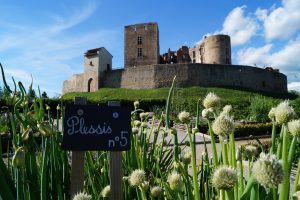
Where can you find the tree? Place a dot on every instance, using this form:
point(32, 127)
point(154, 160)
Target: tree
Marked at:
point(44, 95)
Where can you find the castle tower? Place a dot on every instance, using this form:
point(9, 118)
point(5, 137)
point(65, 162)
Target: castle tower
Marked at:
point(216, 49)
point(141, 44)
point(96, 62)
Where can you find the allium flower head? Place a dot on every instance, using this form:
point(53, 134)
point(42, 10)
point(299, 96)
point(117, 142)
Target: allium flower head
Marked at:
point(106, 191)
point(145, 185)
point(296, 196)
point(250, 151)
point(175, 181)
point(184, 117)
point(137, 123)
point(268, 171)
point(294, 127)
point(137, 177)
point(136, 104)
point(82, 196)
point(211, 101)
point(144, 124)
point(224, 178)
point(195, 130)
point(284, 113)
point(207, 112)
point(156, 191)
point(186, 157)
point(227, 110)
point(223, 125)
point(135, 130)
point(271, 114)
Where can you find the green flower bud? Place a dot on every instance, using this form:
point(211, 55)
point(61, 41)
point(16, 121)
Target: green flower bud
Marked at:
point(195, 130)
point(18, 159)
point(156, 192)
point(175, 181)
point(186, 157)
point(136, 104)
point(137, 123)
point(135, 130)
point(184, 117)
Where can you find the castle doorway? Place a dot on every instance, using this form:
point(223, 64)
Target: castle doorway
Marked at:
point(90, 85)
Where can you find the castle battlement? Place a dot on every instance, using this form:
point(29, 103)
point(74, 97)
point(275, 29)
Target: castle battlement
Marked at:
point(206, 64)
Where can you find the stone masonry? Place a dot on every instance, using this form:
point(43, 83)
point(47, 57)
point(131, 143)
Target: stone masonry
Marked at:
point(207, 64)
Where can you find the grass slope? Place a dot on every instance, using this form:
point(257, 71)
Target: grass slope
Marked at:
point(195, 93)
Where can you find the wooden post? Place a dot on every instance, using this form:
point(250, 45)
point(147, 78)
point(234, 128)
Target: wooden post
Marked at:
point(115, 170)
point(77, 162)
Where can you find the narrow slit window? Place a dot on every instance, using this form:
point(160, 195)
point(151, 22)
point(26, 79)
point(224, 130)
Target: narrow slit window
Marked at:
point(139, 40)
point(140, 52)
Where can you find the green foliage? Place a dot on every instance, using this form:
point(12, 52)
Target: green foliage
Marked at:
point(260, 107)
point(254, 129)
point(184, 98)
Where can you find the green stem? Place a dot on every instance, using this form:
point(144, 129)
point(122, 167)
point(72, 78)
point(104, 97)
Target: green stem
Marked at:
point(224, 151)
point(273, 138)
point(291, 153)
point(284, 190)
point(169, 103)
point(248, 188)
point(279, 148)
point(195, 175)
point(241, 177)
point(229, 194)
point(213, 144)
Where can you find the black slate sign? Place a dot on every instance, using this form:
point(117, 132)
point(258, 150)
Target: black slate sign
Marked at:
point(91, 127)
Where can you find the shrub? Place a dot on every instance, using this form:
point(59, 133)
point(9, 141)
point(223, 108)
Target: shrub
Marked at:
point(259, 108)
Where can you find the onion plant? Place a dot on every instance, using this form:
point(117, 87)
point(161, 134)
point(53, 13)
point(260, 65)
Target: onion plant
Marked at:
point(158, 165)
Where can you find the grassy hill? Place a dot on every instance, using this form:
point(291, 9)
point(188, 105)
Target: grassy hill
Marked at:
point(184, 98)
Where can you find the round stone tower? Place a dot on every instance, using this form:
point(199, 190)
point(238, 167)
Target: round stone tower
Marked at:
point(216, 49)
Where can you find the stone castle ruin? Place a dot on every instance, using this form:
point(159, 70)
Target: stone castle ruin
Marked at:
point(206, 64)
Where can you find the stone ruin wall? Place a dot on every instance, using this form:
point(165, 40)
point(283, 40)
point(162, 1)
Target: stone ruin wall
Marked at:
point(232, 76)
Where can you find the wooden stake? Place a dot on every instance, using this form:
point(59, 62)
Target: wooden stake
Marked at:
point(77, 162)
point(115, 170)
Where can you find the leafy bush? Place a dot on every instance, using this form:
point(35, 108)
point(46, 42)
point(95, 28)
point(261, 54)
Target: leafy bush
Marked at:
point(259, 108)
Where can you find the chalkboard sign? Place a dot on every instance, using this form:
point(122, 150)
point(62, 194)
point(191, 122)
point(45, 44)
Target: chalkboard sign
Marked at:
point(91, 127)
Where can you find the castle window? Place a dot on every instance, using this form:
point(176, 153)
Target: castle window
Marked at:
point(108, 67)
point(194, 54)
point(140, 52)
point(139, 40)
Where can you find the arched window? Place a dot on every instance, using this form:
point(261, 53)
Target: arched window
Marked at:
point(90, 85)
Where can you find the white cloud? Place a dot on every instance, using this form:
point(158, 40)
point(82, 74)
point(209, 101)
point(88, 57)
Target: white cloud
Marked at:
point(254, 56)
point(281, 22)
point(286, 59)
point(49, 51)
point(241, 28)
point(294, 86)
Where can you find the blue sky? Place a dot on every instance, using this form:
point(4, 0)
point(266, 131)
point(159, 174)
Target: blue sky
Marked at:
point(47, 39)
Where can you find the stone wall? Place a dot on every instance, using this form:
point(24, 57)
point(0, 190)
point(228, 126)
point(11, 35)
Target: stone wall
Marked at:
point(74, 84)
point(235, 76)
point(143, 37)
